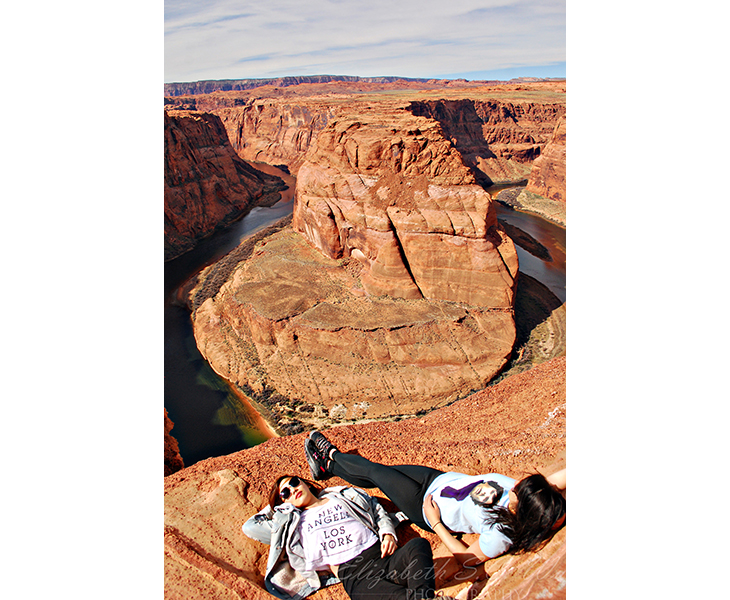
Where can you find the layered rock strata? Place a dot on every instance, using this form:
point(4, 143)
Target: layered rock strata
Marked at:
point(499, 140)
point(548, 171)
point(545, 190)
point(208, 556)
point(207, 185)
point(499, 130)
point(206, 87)
point(275, 132)
point(394, 194)
point(294, 320)
point(396, 297)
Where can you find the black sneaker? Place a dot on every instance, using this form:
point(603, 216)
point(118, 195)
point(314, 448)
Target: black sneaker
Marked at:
point(316, 460)
point(324, 446)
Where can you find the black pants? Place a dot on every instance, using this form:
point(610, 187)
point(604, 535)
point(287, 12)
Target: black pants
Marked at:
point(407, 574)
point(405, 485)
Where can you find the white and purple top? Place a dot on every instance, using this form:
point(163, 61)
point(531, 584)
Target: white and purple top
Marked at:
point(453, 494)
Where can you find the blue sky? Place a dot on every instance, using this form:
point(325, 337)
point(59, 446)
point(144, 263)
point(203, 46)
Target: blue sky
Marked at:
point(473, 39)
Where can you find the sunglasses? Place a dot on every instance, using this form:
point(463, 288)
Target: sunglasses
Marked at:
point(294, 482)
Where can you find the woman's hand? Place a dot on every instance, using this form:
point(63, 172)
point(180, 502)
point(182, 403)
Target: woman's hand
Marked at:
point(468, 556)
point(387, 546)
point(431, 510)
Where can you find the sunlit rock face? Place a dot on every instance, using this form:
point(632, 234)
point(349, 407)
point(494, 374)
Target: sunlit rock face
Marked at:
point(292, 319)
point(394, 194)
point(391, 293)
point(499, 130)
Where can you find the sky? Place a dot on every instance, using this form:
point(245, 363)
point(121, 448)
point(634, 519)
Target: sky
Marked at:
point(471, 39)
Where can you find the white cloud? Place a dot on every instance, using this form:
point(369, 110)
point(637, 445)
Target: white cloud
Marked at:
point(227, 39)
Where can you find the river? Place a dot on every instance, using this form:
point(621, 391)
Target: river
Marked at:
point(209, 418)
point(550, 273)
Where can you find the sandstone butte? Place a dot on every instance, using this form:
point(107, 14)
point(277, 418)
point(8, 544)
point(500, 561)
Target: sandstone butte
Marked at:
point(514, 427)
point(393, 292)
point(207, 185)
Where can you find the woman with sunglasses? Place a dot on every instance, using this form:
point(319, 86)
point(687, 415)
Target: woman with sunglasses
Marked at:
point(319, 537)
point(509, 516)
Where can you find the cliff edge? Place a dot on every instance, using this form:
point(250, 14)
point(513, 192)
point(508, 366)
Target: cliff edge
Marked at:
point(513, 428)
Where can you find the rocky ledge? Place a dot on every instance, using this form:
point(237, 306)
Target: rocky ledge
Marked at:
point(513, 428)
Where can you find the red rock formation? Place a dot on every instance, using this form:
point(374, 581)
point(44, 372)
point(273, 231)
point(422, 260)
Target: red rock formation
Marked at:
point(292, 319)
point(547, 177)
point(407, 300)
point(206, 184)
point(498, 129)
point(545, 191)
point(274, 133)
point(207, 87)
point(173, 460)
point(390, 201)
point(389, 190)
point(498, 140)
point(511, 428)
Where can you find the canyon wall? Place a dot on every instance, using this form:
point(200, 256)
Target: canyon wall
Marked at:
point(207, 185)
point(389, 190)
point(277, 133)
point(498, 139)
point(173, 460)
point(207, 87)
point(392, 292)
point(545, 191)
point(547, 177)
point(208, 556)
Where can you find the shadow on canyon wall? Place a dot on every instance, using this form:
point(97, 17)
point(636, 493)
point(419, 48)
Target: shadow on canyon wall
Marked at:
point(485, 132)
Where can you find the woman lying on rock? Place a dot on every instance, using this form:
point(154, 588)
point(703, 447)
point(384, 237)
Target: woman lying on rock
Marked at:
point(321, 537)
point(509, 515)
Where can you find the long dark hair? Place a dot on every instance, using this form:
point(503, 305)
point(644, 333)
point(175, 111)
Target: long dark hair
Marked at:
point(275, 499)
point(540, 513)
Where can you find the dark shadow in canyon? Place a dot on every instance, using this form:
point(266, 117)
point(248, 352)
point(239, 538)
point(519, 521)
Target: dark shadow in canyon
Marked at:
point(462, 125)
point(534, 303)
point(525, 241)
point(188, 376)
point(473, 125)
